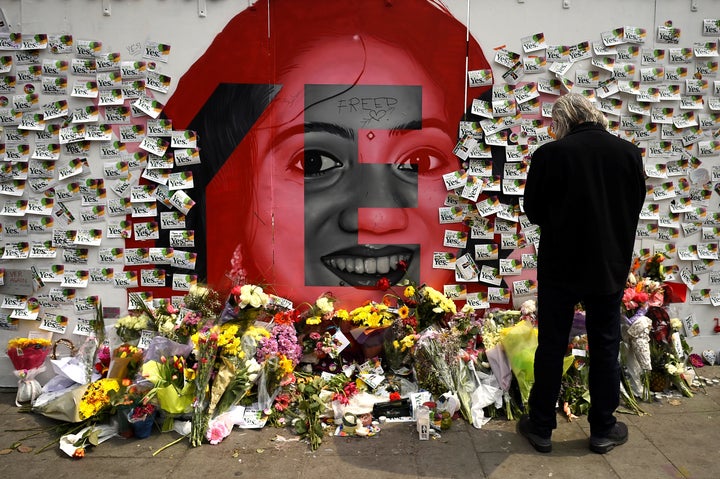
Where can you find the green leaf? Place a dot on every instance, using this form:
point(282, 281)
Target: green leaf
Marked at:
point(94, 437)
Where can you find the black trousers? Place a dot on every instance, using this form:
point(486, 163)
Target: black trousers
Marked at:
point(555, 316)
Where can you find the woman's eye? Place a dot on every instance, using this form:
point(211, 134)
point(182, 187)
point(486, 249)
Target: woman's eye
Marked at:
point(316, 163)
point(421, 161)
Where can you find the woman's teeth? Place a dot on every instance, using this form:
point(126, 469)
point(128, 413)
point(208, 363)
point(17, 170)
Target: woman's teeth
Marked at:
point(359, 265)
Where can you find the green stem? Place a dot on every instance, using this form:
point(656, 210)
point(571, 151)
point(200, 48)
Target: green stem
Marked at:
point(57, 440)
point(169, 445)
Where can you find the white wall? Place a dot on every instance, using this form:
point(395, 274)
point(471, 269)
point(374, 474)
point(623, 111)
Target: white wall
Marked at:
point(128, 24)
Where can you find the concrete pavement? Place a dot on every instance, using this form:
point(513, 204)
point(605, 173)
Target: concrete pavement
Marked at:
point(678, 438)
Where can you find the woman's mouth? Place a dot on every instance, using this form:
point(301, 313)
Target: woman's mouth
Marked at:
point(365, 265)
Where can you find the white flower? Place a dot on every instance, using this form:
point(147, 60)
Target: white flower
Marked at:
point(196, 290)
point(167, 326)
point(528, 307)
point(253, 296)
point(253, 369)
point(676, 324)
point(324, 305)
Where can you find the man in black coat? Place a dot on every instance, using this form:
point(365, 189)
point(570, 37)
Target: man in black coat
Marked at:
point(585, 192)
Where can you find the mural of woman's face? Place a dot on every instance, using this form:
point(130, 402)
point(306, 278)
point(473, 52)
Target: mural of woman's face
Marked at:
point(350, 162)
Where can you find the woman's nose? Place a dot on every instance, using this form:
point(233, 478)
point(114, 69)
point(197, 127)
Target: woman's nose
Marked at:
point(381, 199)
point(377, 221)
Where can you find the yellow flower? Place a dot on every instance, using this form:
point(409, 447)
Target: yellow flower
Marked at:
point(22, 343)
point(286, 365)
point(409, 291)
point(342, 314)
point(407, 342)
point(372, 315)
point(97, 397)
point(228, 341)
point(403, 311)
point(313, 320)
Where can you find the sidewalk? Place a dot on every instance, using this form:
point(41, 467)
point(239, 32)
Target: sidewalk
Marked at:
point(678, 438)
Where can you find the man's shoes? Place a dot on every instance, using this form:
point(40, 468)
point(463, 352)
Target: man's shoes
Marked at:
point(618, 435)
point(525, 428)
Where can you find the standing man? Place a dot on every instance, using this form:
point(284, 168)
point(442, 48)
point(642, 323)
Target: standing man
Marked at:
point(585, 192)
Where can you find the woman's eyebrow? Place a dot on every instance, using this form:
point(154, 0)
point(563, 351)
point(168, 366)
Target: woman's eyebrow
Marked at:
point(420, 124)
point(332, 128)
point(314, 127)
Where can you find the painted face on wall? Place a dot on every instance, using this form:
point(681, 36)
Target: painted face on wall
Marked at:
point(324, 144)
point(357, 173)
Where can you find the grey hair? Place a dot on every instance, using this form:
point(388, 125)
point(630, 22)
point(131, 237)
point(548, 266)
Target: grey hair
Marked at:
point(573, 109)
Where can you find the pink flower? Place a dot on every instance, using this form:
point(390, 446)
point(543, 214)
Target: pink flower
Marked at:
point(217, 431)
point(696, 360)
point(657, 299)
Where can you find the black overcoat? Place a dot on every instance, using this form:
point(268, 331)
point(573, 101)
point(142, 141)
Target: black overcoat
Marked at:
point(585, 191)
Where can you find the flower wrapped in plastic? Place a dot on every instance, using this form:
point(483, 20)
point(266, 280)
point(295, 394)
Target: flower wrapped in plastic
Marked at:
point(432, 307)
point(206, 348)
point(435, 354)
point(76, 444)
point(125, 361)
point(28, 359)
point(638, 336)
point(520, 342)
point(493, 322)
point(79, 402)
point(278, 354)
point(173, 386)
point(245, 303)
point(675, 368)
point(165, 366)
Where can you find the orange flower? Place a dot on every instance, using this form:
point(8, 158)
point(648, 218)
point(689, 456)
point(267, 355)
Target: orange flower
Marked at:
point(79, 453)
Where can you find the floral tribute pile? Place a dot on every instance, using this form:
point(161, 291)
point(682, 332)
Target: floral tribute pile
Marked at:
point(212, 362)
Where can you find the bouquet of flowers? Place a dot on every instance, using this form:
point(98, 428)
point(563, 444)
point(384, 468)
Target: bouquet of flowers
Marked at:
point(102, 360)
point(574, 388)
point(494, 321)
point(166, 318)
point(190, 324)
point(173, 385)
point(206, 347)
point(28, 358)
point(80, 402)
point(520, 342)
point(205, 301)
point(435, 354)
point(279, 353)
point(431, 306)
point(245, 304)
point(322, 310)
point(142, 411)
point(372, 315)
point(639, 295)
point(639, 362)
point(130, 327)
point(125, 361)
